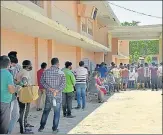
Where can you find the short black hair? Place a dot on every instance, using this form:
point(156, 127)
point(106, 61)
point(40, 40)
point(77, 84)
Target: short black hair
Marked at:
point(4, 61)
point(67, 64)
point(26, 63)
point(43, 65)
point(54, 61)
point(12, 53)
point(121, 64)
point(141, 65)
point(153, 63)
point(81, 63)
point(146, 64)
point(13, 59)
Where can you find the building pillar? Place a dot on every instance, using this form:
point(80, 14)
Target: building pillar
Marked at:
point(36, 57)
point(50, 51)
point(160, 49)
point(78, 55)
point(114, 50)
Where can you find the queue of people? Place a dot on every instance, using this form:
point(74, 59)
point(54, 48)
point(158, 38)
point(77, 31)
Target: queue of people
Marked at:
point(57, 88)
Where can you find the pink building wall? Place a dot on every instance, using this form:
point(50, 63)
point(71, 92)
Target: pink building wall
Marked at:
point(23, 44)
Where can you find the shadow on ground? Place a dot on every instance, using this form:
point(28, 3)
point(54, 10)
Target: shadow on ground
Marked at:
point(66, 124)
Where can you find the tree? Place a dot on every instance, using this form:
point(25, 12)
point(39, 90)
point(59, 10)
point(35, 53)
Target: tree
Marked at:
point(141, 48)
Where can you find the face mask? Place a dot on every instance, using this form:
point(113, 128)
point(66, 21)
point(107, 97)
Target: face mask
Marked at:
point(11, 67)
point(29, 69)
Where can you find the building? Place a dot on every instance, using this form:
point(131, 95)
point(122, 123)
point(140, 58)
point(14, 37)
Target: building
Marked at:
point(69, 30)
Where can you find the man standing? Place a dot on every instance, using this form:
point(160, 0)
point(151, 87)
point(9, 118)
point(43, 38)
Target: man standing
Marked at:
point(68, 91)
point(147, 76)
point(41, 88)
point(54, 82)
point(154, 77)
point(160, 75)
point(103, 70)
point(125, 77)
point(14, 69)
point(7, 88)
point(81, 74)
point(140, 77)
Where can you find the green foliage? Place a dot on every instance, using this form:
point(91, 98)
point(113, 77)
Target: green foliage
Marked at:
point(148, 59)
point(143, 47)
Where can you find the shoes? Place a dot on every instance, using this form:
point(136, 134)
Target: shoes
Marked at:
point(40, 129)
point(78, 107)
point(27, 131)
point(55, 131)
point(70, 116)
point(39, 109)
point(29, 125)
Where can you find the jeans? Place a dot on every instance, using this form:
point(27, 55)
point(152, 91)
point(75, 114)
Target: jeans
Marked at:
point(160, 83)
point(81, 92)
point(14, 115)
point(47, 109)
point(67, 103)
point(4, 117)
point(154, 82)
point(24, 111)
point(131, 84)
point(147, 82)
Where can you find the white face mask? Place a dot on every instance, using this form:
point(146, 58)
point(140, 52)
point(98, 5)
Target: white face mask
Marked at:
point(12, 67)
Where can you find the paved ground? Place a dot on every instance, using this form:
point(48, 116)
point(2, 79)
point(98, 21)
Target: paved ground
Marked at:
point(130, 112)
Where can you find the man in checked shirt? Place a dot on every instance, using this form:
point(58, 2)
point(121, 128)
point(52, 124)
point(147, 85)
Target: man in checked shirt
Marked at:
point(54, 81)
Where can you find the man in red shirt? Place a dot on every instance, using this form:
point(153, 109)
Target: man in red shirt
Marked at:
point(125, 77)
point(41, 88)
point(141, 77)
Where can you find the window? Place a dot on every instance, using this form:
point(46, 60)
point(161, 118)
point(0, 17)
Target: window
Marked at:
point(83, 25)
point(90, 27)
point(38, 3)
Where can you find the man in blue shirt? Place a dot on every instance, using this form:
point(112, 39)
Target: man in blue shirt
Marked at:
point(102, 70)
point(7, 89)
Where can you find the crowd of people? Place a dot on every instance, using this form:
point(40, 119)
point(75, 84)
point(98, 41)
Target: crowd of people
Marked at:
point(57, 87)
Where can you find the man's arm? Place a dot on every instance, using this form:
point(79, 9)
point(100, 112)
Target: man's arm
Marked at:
point(73, 79)
point(43, 81)
point(62, 83)
point(11, 87)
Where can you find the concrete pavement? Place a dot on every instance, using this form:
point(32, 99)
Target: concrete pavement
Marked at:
point(129, 112)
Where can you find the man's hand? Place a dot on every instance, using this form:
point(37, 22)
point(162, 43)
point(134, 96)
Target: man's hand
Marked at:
point(55, 92)
point(51, 89)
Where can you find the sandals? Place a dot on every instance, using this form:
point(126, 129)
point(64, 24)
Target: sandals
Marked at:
point(39, 109)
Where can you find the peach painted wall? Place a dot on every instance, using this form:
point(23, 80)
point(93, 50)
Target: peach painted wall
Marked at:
point(123, 47)
point(108, 57)
point(101, 35)
point(42, 52)
point(65, 12)
point(64, 53)
point(99, 57)
point(24, 45)
point(88, 54)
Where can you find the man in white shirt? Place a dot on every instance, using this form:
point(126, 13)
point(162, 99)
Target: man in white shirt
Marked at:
point(160, 75)
point(81, 75)
point(131, 78)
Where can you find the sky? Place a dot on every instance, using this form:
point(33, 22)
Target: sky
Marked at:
point(147, 7)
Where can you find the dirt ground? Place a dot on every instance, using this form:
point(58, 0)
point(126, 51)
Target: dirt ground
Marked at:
point(129, 112)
